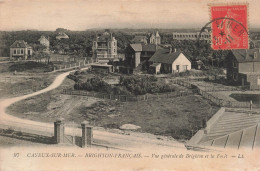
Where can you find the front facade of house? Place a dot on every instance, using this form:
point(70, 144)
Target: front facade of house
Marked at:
point(20, 50)
point(139, 53)
point(45, 42)
point(171, 62)
point(243, 68)
point(104, 47)
point(155, 38)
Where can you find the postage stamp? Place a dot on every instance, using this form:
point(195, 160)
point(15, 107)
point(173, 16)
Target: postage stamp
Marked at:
point(229, 27)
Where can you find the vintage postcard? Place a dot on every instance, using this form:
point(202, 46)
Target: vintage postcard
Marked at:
point(129, 85)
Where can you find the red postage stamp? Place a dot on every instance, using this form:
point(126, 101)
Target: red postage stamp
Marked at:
point(229, 27)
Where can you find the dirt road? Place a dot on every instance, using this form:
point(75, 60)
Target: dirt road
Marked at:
point(132, 141)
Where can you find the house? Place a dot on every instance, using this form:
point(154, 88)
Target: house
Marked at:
point(138, 53)
point(155, 38)
point(104, 47)
point(61, 36)
point(243, 67)
point(20, 49)
point(171, 62)
point(197, 64)
point(45, 42)
point(140, 39)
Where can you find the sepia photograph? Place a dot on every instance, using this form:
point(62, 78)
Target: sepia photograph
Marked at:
point(129, 85)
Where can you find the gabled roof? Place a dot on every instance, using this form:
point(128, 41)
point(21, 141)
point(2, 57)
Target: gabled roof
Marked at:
point(20, 44)
point(246, 55)
point(141, 47)
point(157, 34)
point(139, 39)
point(163, 56)
point(137, 47)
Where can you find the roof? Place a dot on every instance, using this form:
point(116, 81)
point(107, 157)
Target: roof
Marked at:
point(43, 37)
point(155, 64)
point(139, 39)
point(246, 55)
point(141, 47)
point(62, 35)
point(20, 44)
point(163, 56)
point(234, 129)
point(157, 34)
point(137, 47)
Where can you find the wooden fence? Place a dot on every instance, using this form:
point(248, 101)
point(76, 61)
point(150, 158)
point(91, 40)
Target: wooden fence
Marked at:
point(125, 98)
point(212, 98)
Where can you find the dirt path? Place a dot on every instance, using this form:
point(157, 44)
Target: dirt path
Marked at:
point(131, 141)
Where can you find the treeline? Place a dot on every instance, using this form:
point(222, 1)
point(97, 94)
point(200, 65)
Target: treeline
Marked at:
point(79, 41)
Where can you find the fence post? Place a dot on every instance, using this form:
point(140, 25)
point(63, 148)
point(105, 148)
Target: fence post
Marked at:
point(87, 134)
point(59, 130)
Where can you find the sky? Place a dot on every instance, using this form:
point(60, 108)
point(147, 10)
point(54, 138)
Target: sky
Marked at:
point(89, 14)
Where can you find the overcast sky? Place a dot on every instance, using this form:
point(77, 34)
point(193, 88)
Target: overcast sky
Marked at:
point(87, 14)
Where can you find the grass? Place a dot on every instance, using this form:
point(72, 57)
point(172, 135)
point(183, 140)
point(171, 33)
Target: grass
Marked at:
point(178, 117)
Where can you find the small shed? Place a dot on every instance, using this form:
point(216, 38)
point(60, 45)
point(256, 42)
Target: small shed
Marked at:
point(155, 68)
point(102, 68)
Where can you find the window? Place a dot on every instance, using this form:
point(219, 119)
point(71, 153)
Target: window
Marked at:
point(21, 51)
point(235, 77)
point(14, 51)
point(185, 67)
point(114, 50)
point(114, 43)
point(18, 51)
point(177, 67)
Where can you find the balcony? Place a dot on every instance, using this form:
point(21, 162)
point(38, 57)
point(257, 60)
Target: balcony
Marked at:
point(102, 47)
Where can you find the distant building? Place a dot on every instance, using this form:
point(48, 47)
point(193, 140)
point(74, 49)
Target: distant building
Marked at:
point(140, 39)
point(155, 38)
point(62, 35)
point(135, 54)
point(20, 49)
point(166, 61)
point(104, 47)
point(243, 67)
point(205, 35)
point(45, 42)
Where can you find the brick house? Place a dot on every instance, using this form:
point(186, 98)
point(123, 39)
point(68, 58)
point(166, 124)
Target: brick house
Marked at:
point(20, 49)
point(170, 62)
point(243, 68)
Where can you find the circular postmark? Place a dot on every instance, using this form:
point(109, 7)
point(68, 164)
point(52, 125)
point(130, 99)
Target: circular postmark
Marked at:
point(226, 33)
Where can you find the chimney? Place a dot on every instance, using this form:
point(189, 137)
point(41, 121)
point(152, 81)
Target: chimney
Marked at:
point(170, 50)
point(175, 50)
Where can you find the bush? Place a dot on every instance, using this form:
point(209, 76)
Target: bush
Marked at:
point(142, 85)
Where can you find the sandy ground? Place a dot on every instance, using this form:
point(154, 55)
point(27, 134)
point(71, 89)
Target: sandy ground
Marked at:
point(131, 141)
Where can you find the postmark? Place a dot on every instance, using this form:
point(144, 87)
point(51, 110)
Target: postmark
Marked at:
point(229, 25)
